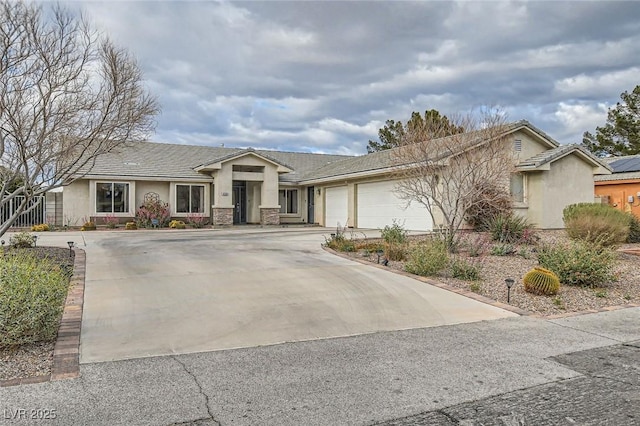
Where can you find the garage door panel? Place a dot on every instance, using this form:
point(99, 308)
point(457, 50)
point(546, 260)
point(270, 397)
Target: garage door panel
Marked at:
point(336, 206)
point(378, 205)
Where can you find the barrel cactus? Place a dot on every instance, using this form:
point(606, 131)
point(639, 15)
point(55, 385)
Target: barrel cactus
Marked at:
point(541, 281)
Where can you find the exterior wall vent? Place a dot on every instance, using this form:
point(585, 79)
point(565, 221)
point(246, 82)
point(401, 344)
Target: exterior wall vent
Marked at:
point(517, 145)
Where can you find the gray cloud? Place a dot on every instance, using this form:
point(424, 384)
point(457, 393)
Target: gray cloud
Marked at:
point(324, 76)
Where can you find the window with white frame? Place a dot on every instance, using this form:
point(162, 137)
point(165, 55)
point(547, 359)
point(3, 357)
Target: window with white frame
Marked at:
point(112, 197)
point(189, 199)
point(517, 187)
point(288, 200)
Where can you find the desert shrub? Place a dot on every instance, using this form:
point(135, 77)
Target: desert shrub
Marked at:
point(578, 263)
point(370, 246)
point(153, 209)
point(395, 251)
point(508, 228)
point(111, 221)
point(130, 226)
point(88, 226)
point(394, 234)
point(634, 229)
point(339, 242)
point(541, 281)
point(177, 224)
point(32, 294)
point(503, 250)
point(477, 246)
point(596, 223)
point(196, 220)
point(465, 270)
point(43, 227)
point(489, 201)
point(22, 240)
point(427, 258)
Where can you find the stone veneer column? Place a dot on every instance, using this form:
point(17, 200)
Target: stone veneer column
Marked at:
point(269, 216)
point(222, 216)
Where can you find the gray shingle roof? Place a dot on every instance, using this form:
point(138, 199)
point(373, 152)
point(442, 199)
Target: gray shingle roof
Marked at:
point(555, 153)
point(172, 161)
point(387, 159)
point(617, 176)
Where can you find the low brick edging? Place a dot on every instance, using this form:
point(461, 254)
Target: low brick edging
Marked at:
point(66, 352)
point(480, 298)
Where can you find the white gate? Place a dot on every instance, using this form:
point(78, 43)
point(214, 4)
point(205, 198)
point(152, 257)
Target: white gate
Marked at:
point(34, 214)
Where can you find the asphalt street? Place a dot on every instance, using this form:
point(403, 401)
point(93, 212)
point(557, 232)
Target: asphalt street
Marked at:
point(507, 366)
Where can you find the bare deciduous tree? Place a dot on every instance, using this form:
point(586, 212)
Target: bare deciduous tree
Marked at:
point(67, 96)
point(456, 172)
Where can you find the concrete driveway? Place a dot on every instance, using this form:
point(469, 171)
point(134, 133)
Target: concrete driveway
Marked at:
point(171, 292)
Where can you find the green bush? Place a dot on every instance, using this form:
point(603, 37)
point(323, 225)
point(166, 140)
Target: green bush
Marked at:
point(394, 234)
point(177, 224)
point(503, 250)
point(465, 270)
point(339, 242)
point(596, 223)
point(510, 229)
point(32, 295)
point(427, 258)
point(88, 226)
point(22, 240)
point(634, 229)
point(395, 251)
point(578, 263)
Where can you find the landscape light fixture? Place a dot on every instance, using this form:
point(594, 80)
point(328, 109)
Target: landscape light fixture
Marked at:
point(379, 253)
point(509, 282)
point(70, 243)
point(35, 241)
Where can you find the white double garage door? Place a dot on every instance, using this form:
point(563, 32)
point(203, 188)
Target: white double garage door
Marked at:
point(376, 205)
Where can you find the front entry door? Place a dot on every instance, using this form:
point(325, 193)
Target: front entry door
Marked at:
point(239, 202)
point(311, 198)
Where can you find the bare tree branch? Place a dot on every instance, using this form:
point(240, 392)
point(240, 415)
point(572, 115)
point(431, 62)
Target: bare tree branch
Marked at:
point(67, 96)
point(448, 174)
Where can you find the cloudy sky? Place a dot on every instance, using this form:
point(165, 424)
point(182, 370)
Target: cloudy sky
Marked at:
point(324, 76)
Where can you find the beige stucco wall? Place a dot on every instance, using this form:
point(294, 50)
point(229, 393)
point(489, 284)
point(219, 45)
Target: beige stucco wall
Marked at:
point(530, 145)
point(144, 187)
point(268, 187)
point(253, 201)
point(569, 181)
point(75, 203)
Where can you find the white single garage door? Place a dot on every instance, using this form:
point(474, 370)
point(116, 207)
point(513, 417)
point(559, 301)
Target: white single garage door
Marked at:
point(336, 207)
point(378, 205)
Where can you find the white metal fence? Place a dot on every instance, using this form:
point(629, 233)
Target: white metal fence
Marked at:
point(35, 216)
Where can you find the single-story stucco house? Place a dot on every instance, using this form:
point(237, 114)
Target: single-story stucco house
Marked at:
point(236, 186)
point(621, 189)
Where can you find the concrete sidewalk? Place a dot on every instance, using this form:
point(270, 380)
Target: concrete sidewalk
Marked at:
point(353, 380)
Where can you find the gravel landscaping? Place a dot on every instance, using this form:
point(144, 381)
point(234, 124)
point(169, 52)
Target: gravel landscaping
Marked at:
point(35, 359)
point(495, 269)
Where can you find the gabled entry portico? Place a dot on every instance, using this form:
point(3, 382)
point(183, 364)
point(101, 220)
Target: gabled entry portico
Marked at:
point(245, 188)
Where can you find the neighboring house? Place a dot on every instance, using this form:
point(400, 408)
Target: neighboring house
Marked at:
point(622, 188)
point(237, 186)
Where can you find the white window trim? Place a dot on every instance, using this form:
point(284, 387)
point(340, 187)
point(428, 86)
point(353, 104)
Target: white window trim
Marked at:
point(207, 198)
point(297, 214)
point(93, 196)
